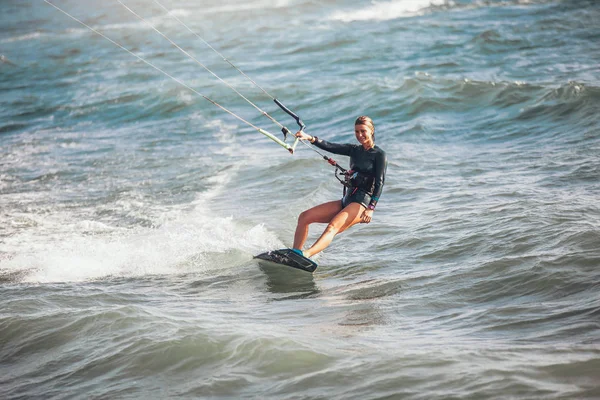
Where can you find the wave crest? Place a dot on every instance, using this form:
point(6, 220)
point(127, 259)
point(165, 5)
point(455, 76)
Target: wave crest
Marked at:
point(387, 10)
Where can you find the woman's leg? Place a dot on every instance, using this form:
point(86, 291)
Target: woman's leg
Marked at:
point(347, 217)
point(323, 213)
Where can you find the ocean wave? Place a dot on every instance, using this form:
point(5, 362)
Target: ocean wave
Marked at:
point(26, 36)
point(244, 6)
point(382, 11)
point(389, 10)
point(12, 127)
point(493, 42)
point(571, 100)
point(501, 101)
point(424, 93)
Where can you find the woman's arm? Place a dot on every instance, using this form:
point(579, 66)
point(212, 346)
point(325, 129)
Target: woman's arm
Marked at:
point(335, 148)
point(380, 168)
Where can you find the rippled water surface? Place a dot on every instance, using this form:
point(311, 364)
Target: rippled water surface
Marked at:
point(131, 207)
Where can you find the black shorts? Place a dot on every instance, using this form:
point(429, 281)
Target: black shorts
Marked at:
point(356, 195)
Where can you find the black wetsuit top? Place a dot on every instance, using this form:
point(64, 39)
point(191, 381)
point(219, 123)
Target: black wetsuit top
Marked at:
point(367, 168)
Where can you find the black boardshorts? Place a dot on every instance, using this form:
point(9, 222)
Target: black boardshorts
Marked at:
point(356, 195)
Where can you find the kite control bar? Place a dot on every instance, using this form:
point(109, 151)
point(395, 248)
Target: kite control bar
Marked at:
point(291, 113)
point(340, 173)
point(285, 130)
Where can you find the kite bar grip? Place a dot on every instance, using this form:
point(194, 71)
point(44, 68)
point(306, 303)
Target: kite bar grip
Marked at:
point(294, 145)
point(291, 113)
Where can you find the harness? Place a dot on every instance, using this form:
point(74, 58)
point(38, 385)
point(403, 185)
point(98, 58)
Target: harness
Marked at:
point(351, 179)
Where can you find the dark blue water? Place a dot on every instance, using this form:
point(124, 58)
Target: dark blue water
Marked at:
point(131, 207)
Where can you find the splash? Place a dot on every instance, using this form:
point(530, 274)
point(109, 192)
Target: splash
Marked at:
point(63, 247)
point(192, 242)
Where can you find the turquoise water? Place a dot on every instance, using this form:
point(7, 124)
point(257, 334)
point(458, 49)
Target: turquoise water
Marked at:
point(130, 207)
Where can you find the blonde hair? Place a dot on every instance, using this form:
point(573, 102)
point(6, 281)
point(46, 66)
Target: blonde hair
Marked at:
point(364, 120)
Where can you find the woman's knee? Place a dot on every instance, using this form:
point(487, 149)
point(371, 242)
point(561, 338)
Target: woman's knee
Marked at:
point(332, 228)
point(305, 217)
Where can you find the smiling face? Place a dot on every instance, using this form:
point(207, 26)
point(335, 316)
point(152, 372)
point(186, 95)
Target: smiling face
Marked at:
point(364, 135)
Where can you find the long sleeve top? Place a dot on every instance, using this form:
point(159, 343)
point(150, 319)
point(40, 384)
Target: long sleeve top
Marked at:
point(370, 163)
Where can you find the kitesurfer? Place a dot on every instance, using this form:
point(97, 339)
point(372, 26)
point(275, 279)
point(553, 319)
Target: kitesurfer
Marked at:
point(364, 183)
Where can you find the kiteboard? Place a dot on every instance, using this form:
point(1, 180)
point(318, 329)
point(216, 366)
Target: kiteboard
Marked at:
point(289, 258)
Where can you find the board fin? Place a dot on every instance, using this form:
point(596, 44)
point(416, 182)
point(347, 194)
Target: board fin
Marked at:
point(290, 258)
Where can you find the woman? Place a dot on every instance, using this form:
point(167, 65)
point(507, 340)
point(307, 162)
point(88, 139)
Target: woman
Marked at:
point(366, 178)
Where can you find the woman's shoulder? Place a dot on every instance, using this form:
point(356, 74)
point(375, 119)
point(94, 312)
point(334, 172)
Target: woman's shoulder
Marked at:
point(380, 153)
point(378, 149)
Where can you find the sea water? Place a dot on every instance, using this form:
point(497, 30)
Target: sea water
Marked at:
point(131, 207)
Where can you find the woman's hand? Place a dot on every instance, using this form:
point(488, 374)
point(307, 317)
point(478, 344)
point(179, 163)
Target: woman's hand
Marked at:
point(367, 216)
point(304, 136)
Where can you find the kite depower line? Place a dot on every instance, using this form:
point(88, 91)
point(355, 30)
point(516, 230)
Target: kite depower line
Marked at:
point(284, 129)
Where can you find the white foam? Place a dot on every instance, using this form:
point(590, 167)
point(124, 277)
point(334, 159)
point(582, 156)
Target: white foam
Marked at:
point(246, 6)
point(382, 11)
point(20, 38)
point(179, 12)
point(57, 245)
point(87, 250)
